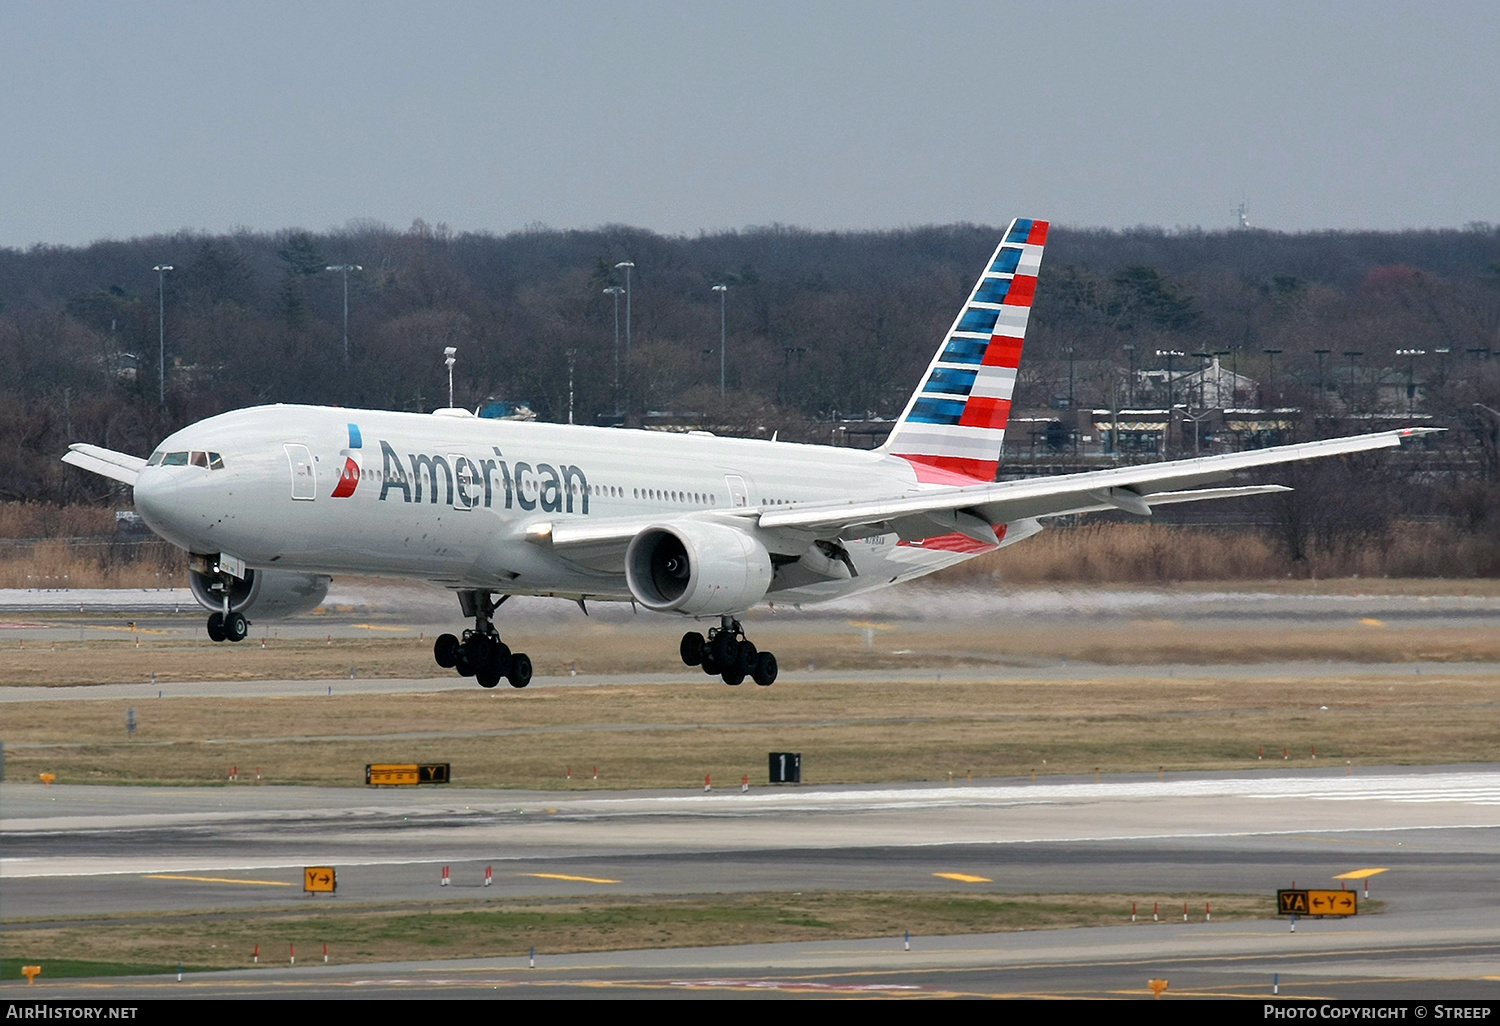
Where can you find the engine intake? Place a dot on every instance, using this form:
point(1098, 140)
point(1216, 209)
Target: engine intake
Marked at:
point(697, 569)
point(265, 594)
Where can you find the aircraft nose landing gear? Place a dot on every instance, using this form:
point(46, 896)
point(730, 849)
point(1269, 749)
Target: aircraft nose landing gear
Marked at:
point(480, 653)
point(728, 654)
point(224, 625)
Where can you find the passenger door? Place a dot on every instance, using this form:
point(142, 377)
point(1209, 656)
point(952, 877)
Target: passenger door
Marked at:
point(304, 472)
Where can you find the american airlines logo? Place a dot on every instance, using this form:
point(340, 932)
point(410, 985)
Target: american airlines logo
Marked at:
point(466, 482)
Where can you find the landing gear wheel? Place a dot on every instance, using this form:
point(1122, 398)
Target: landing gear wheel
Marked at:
point(744, 659)
point(462, 664)
point(709, 666)
point(691, 648)
point(765, 670)
point(479, 649)
point(216, 627)
point(445, 651)
point(488, 677)
point(734, 678)
point(520, 670)
point(236, 627)
point(723, 647)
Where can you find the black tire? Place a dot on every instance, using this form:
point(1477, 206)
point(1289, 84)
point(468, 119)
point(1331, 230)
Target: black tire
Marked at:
point(462, 664)
point(765, 670)
point(520, 670)
point(691, 648)
point(734, 678)
point(488, 677)
point(744, 659)
point(236, 627)
point(723, 647)
point(709, 666)
point(480, 650)
point(445, 651)
point(216, 627)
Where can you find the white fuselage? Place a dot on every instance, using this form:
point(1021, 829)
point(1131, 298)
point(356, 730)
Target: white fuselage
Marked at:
point(449, 497)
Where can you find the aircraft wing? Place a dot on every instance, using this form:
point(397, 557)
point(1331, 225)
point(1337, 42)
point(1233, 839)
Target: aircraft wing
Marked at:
point(1132, 488)
point(105, 462)
point(1135, 489)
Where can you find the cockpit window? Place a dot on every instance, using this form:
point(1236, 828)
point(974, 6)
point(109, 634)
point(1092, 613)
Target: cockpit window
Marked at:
point(199, 459)
point(215, 461)
point(155, 458)
point(175, 459)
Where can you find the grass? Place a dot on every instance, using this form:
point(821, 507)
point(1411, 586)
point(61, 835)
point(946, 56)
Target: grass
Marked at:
point(1090, 553)
point(116, 945)
point(849, 732)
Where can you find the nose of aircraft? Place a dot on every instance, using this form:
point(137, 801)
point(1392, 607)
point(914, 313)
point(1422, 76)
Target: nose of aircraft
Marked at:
point(155, 495)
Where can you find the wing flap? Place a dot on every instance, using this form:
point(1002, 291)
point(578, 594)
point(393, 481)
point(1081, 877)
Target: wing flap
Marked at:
point(96, 459)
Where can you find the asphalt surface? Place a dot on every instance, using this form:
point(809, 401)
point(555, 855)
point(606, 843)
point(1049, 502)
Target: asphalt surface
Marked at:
point(72, 852)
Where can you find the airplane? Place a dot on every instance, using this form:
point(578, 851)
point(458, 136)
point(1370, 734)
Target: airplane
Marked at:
point(270, 502)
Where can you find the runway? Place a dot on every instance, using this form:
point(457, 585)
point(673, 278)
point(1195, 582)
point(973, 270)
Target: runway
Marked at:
point(72, 852)
point(75, 850)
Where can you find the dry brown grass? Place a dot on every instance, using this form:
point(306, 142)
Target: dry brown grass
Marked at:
point(508, 927)
point(173, 653)
point(1146, 553)
point(848, 732)
point(54, 563)
point(1093, 553)
point(41, 520)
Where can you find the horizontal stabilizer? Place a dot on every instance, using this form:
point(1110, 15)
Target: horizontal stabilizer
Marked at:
point(96, 459)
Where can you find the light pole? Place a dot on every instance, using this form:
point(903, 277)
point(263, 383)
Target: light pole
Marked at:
point(161, 313)
point(723, 291)
point(615, 290)
point(572, 355)
point(449, 357)
point(1207, 359)
point(1273, 353)
point(1411, 372)
point(1130, 383)
point(1320, 353)
point(1352, 354)
point(628, 265)
point(345, 268)
point(1170, 354)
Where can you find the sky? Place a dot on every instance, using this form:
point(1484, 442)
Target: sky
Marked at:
point(122, 119)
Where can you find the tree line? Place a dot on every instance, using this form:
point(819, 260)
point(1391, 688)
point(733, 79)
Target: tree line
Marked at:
point(818, 326)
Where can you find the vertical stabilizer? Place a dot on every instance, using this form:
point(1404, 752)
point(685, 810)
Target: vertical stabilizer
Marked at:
point(953, 425)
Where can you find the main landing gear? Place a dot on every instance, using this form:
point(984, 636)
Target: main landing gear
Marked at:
point(480, 653)
point(727, 653)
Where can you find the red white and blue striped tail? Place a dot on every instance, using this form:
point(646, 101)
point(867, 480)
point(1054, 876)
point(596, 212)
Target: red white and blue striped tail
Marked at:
point(952, 427)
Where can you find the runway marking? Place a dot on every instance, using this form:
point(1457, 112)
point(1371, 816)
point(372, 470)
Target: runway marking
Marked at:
point(964, 877)
point(575, 879)
point(1370, 621)
point(132, 630)
point(1360, 874)
point(215, 879)
point(377, 627)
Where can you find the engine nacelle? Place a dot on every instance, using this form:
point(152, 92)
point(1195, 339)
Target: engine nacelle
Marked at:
point(697, 568)
point(262, 594)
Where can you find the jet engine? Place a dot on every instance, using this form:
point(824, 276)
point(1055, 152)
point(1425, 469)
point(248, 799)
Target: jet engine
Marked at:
point(264, 594)
point(697, 568)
